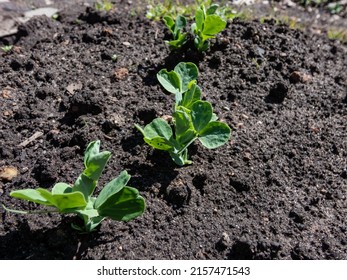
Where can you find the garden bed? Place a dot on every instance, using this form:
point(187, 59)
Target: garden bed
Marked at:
point(276, 190)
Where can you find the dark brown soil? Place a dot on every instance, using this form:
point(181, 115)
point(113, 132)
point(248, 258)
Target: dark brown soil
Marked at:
point(277, 190)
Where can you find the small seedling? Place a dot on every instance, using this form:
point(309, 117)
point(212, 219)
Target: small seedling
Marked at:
point(116, 200)
point(337, 34)
point(208, 21)
point(103, 5)
point(176, 27)
point(207, 25)
point(7, 49)
point(156, 10)
point(114, 57)
point(192, 118)
point(335, 8)
point(55, 16)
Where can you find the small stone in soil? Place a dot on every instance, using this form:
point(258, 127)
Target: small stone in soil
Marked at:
point(297, 77)
point(7, 173)
point(121, 73)
point(224, 242)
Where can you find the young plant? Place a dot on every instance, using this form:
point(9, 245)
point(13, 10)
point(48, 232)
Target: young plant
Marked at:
point(176, 27)
point(103, 5)
point(116, 200)
point(207, 25)
point(114, 57)
point(6, 49)
point(156, 10)
point(192, 118)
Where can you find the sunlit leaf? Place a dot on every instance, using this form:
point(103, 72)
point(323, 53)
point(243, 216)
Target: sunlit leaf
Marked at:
point(125, 205)
point(214, 135)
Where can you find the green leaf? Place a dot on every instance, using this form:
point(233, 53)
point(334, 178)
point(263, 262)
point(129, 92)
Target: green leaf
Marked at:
point(158, 128)
point(193, 28)
point(124, 205)
point(85, 185)
point(112, 188)
point(159, 143)
point(201, 114)
point(186, 137)
point(182, 120)
point(181, 158)
point(88, 213)
point(170, 81)
point(93, 149)
point(94, 161)
point(61, 188)
point(214, 135)
point(31, 195)
point(212, 9)
point(96, 164)
point(91, 220)
point(169, 22)
point(181, 22)
point(178, 159)
point(93, 223)
point(178, 98)
point(176, 44)
point(214, 117)
point(187, 72)
point(213, 25)
point(64, 201)
point(153, 130)
point(191, 96)
point(200, 18)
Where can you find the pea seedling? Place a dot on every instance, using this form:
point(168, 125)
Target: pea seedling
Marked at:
point(176, 27)
point(6, 49)
point(207, 25)
point(116, 200)
point(192, 118)
point(103, 5)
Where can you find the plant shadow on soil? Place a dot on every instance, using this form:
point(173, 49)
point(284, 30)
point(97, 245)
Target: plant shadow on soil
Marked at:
point(59, 242)
point(158, 169)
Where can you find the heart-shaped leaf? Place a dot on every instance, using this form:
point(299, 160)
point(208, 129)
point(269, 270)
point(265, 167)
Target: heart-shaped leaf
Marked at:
point(214, 135)
point(170, 81)
point(158, 128)
point(124, 205)
point(213, 25)
point(188, 72)
point(201, 114)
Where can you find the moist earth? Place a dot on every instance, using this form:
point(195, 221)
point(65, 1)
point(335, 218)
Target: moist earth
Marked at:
point(276, 190)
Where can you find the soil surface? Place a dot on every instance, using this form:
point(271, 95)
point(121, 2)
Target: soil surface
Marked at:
point(277, 190)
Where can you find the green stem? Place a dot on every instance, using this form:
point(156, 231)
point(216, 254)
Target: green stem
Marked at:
point(187, 145)
point(30, 212)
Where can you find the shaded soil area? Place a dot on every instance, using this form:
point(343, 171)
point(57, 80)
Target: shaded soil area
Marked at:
point(277, 190)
